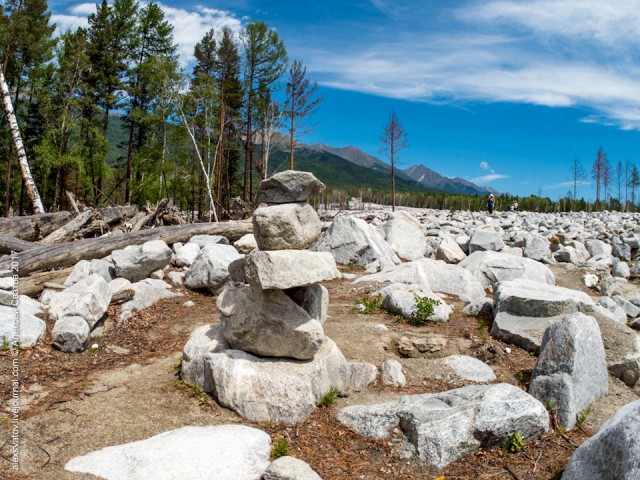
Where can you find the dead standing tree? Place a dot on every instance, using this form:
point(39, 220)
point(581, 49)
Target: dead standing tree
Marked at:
point(300, 104)
point(394, 140)
point(32, 190)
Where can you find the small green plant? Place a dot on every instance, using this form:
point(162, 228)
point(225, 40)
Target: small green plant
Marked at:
point(561, 430)
point(482, 323)
point(515, 443)
point(367, 305)
point(280, 449)
point(583, 417)
point(501, 378)
point(202, 401)
point(423, 310)
point(328, 398)
point(551, 404)
point(177, 368)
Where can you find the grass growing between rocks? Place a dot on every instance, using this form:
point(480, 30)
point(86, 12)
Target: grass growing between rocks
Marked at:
point(423, 311)
point(328, 398)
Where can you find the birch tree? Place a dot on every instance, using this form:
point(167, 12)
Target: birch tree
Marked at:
point(30, 185)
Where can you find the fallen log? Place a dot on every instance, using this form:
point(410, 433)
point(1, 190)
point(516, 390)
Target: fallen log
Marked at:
point(69, 229)
point(35, 227)
point(66, 254)
point(35, 283)
point(11, 244)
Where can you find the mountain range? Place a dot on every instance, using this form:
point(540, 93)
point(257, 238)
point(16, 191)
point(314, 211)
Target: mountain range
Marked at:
point(416, 177)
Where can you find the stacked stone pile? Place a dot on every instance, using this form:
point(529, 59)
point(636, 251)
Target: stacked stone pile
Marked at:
point(269, 358)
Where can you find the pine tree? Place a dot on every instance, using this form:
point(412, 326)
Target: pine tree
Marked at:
point(394, 140)
point(300, 102)
point(265, 62)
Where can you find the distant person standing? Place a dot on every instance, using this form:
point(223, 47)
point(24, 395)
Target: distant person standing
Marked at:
point(491, 203)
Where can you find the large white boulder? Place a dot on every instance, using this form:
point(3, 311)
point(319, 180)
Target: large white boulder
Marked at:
point(282, 269)
point(571, 372)
point(210, 269)
point(484, 239)
point(449, 251)
point(136, 262)
point(290, 226)
point(268, 323)
point(490, 268)
point(431, 274)
point(613, 453)
point(203, 340)
point(70, 334)
point(186, 254)
point(405, 237)
point(88, 298)
point(222, 452)
point(147, 292)
point(271, 389)
point(32, 328)
point(352, 240)
point(289, 186)
point(443, 427)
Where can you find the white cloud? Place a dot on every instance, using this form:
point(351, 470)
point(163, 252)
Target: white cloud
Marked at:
point(489, 178)
point(68, 22)
point(85, 9)
point(557, 53)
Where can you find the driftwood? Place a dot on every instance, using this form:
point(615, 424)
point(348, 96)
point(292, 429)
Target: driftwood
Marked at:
point(11, 244)
point(66, 254)
point(35, 283)
point(34, 227)
point(68, 230)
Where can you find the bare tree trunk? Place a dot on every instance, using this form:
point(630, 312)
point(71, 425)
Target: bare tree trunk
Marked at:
point(22, 156)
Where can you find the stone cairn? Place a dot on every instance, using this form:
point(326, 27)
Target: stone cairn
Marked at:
point(269, 359)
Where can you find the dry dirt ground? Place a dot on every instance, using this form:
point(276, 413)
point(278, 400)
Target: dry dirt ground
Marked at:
point(127, 389)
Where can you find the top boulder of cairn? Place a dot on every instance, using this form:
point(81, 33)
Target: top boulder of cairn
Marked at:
point(289, 186)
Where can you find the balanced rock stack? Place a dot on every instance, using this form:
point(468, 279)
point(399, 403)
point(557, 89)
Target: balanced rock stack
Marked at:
point(269, 358)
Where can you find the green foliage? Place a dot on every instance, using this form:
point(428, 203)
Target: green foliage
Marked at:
point(583, 417)
point(561, 430)
point(370, 305)
point(177, 368)
point(423, 310)
point(551, 404)
point(515, 443)
point(280, 449)
point(328, 398)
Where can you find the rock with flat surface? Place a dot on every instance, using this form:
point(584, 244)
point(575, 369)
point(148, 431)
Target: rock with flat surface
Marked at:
point(431, 274)
point(136, 262)
point(32, 328)
point(362, 374)
point(284, 269)
point(535, 247)
point(616, 311)
point(270, 389)
point(469, 368)
point(289, 186)
point(147, 293)
point(204, 240)
point(88, 298)
point(613, 453)
point(186, 254)
point(210, 269)
point(222, 452)
point(402, 299)
point(571, 372)
point(70, 334)
point(290, 226)
point(268, 323)
point(352, 240)
point(289, 468)
point(203, 340)
point(523, 309)
point(483, 240)
point(246, 244)
point(449, 251)
point(405, 237)
point(490, 268)
point(313, 299)
point(391, 373)
point(445, 426)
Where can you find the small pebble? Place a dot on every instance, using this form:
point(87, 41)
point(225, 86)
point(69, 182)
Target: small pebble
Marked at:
point(507, 350)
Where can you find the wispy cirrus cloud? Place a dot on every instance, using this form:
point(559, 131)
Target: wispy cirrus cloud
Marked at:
point(489, 178)
point(557, 53)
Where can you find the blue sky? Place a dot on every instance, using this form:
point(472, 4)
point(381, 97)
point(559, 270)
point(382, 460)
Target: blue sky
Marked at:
point(502, 93)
